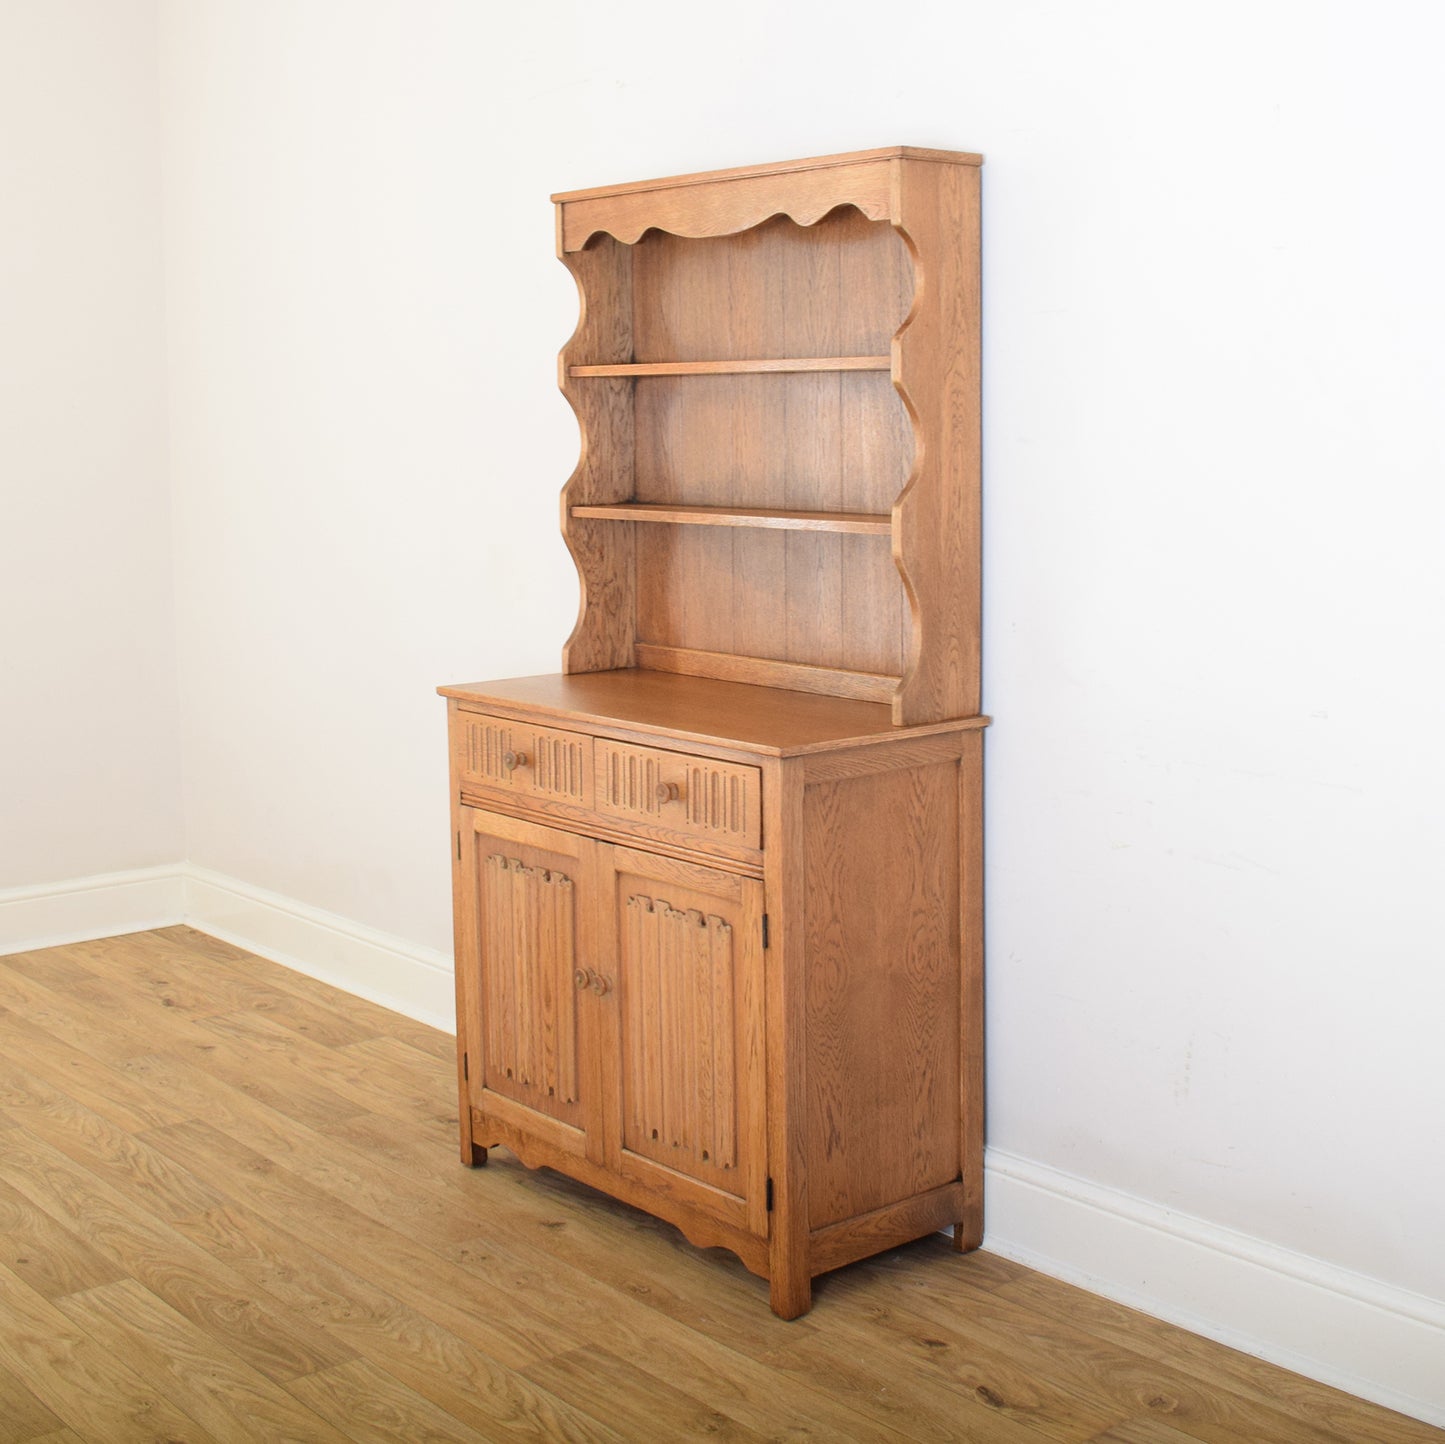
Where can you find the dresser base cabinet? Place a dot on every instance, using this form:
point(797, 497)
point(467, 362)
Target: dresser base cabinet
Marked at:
point(780, 1055)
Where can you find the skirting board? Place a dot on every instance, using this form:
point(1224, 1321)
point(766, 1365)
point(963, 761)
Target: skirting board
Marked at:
point(1363, 1336)
point(102, 906)
point(1356, 1333)
point(349, 955)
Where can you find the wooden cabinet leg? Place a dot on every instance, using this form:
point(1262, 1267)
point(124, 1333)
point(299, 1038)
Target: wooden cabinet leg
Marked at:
point(790, 1293)
point(967, 1235)
point(473, 1156)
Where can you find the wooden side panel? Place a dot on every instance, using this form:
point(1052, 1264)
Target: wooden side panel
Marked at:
point(465, 942)
point(603, 551)
point(789, 1262)
point(937, 521)
point(968, 1226)
point(882, 937)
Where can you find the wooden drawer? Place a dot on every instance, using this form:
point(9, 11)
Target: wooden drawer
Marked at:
point(522, 758)
point(697, 795)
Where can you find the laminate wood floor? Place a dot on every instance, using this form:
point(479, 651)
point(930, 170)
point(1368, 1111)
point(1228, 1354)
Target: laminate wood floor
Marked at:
point(230, 1209)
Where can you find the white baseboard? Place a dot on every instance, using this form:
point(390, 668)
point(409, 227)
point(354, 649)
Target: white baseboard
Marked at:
point(1356, 1333)
point(374, 965)
point(103, 906)
point(387, 970)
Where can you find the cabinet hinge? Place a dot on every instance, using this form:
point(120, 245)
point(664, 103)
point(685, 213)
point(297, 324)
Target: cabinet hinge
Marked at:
point(765, 930)
point(770, 1195)
point(459, 847)
point(466, 1068)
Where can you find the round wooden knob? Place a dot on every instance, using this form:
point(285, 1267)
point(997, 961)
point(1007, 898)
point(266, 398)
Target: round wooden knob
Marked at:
point(512, 760)
point(580, 977)
point(601, 985)
point(668, 792)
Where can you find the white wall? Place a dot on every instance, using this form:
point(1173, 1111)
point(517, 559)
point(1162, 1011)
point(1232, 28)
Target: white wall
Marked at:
point(1213, 596)
point(88, 711)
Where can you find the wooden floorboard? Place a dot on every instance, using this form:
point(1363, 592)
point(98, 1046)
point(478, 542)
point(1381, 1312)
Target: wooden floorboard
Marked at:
point(230, 1209)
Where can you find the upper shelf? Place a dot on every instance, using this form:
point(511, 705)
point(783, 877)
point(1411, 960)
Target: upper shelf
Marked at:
point(777, 518)
point(721, 203)
point(854, 280)
point(735, 368)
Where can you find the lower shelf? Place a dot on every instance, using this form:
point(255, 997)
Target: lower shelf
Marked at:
point(855, 522)
point(764, 672)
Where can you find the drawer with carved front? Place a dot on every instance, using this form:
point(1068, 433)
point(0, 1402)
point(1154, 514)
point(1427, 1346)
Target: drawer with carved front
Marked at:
point(525, 759)
point(697, 795)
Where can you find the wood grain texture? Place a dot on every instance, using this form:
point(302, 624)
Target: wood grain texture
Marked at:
point(790, 1270)
point(771, 365)
point(691, 1022)
point(734, 717)
point(525, 1037)
point(777, 167)
point(882, 922)
point(968, 1227)
point(79, 1380)
point(937, 519)
point(46, 1256)
point(627, 831)
point(397, 1296)
point(124, 1227)
point(751, 311)
point(535, 761)
point(773, 518)
point(23, 1417)
point(803, 444)
point(717, 801)
point(768, 672)
point(602, 636)
point(214, 1386)
point(725, 207)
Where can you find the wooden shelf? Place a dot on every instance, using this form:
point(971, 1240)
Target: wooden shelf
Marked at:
point(736, 368)
point(714, 711)
point(856, 522)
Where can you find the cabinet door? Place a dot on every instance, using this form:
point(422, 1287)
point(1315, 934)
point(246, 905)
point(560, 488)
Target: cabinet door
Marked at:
point(689, 1034)
point(523, 1015)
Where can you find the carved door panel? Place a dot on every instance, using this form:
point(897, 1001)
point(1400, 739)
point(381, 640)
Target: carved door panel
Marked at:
point(527, 1026)
point(688, 1047)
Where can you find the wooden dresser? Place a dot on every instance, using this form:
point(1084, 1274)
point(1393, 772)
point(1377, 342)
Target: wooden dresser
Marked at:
point(718, 885)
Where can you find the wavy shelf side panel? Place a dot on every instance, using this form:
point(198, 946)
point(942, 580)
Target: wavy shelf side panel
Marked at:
point(604, 554)
point(937, 517)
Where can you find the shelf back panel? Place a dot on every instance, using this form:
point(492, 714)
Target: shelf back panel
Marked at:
point(838, 288)
point(819, 599)
point(838, 441)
